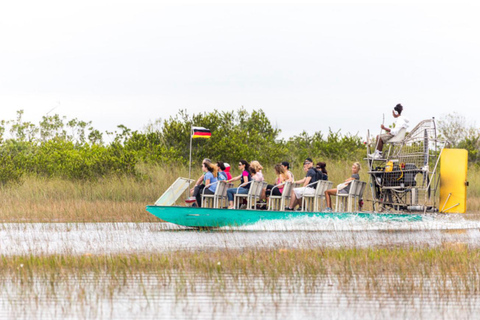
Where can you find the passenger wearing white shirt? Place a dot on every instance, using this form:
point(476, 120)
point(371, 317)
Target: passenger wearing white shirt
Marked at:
point(400, 123)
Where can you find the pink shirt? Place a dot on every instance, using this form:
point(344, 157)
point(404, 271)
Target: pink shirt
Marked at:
point(278, 181)
point(258, 176)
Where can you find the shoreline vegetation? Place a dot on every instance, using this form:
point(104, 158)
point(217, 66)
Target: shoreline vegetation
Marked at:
point(62, 170)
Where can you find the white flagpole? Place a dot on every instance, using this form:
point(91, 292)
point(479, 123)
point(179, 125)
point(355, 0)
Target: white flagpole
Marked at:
point(190, 162)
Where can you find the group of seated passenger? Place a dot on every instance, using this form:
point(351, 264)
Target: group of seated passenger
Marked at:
point(220, 173)
point(207, 183)
point(310, 183)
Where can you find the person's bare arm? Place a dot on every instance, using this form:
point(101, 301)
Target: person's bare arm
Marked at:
point(199, 182)
point(207, 183)
point(307, 181)
point(300, 181)
point(349, 179)
point(290, 177)
point(233, 179)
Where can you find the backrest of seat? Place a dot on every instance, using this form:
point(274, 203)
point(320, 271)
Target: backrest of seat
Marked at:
point(320, 187)
point(220, 188)
point(399, 136)
point(326, 185)
point(287, 189)
point(260, 186)
point(353, 187)
point(361, 189)
point(252, 191)
point(329, 185)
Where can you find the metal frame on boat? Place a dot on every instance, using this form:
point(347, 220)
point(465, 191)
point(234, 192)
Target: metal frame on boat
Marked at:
point(407, 178)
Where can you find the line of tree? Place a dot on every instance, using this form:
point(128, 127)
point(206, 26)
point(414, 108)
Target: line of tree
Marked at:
point(74, 149)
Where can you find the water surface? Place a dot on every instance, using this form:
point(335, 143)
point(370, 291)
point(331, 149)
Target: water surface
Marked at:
point(114, 238)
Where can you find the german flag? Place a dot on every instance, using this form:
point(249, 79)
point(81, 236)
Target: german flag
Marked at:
point(201, 132)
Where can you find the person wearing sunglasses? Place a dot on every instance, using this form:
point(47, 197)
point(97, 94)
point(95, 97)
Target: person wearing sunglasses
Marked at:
point(245, 177)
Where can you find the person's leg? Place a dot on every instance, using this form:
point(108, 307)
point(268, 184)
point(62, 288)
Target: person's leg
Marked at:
point(276, 192)
point(380, 145)
point(327, 197)
point(242, 191)
point(268, 190)
point(382, 139)
point(230, 194)
point(197, 193)
point(298, 202)
point(293, 200)
point(297, 195)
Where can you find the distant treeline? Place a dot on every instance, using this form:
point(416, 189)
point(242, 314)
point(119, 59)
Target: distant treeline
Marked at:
point(73, 149)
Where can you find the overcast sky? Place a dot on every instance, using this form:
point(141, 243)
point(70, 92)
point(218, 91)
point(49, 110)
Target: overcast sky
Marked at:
point(308, 66)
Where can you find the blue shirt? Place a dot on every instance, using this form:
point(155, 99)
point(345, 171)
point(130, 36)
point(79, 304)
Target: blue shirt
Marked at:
point(222, 176)
point(209, 176)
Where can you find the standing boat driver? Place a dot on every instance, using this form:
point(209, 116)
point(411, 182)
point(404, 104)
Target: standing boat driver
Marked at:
point(311, 177)
point(400, 123)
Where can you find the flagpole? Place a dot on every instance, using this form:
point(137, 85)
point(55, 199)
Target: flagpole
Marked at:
point(190, 161)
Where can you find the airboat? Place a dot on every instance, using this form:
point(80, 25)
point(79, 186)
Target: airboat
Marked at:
point(417, 176)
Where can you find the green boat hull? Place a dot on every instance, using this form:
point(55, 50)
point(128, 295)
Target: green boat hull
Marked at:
point(214, 218)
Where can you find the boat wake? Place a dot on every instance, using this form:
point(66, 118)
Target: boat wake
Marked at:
point(370, 223)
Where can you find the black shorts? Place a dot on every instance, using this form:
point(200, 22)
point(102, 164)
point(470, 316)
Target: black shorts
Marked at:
point(276, 191)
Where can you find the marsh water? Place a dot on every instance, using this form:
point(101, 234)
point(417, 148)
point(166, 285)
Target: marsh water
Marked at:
point(156, 296)
point(114, 238)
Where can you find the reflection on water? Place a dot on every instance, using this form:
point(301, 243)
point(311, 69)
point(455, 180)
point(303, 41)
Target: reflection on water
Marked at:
point(192, 296)
point(113, 238)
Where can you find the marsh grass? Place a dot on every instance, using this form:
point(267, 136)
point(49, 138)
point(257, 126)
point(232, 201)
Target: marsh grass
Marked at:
point(115, 199)
point(455, 262)
point(449, 273)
